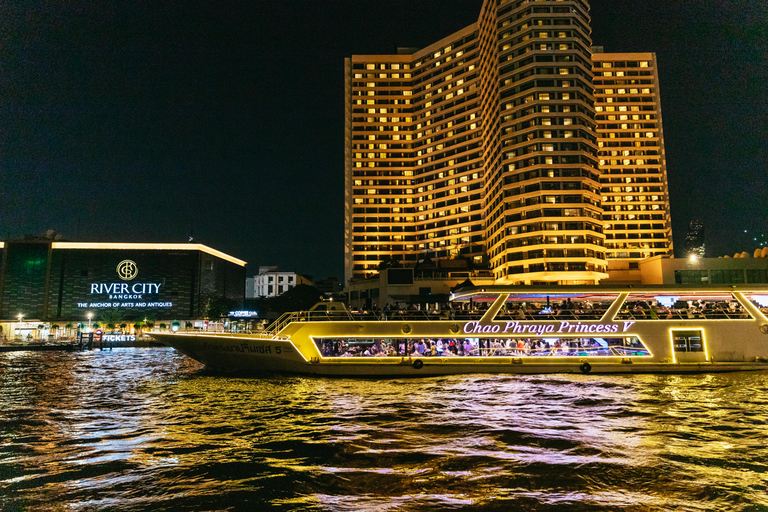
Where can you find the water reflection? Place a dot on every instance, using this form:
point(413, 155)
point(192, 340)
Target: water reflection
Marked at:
point(147, 428)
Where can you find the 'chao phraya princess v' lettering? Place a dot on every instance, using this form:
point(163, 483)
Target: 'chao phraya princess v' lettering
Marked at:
point(543, 328)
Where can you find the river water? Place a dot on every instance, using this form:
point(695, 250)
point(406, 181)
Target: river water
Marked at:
point(149, 429)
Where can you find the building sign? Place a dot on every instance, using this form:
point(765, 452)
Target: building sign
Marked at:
point(125, 295)
point(244, 314)
point(541, 328)
point(119, 337)
point(123, 291)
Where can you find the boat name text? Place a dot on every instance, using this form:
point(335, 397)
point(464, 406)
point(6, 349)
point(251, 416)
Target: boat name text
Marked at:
point(243, 347)
point(543, 328)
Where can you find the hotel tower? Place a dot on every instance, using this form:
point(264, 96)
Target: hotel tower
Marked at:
point(510, 144)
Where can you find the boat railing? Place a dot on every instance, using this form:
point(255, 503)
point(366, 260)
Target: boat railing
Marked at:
point(279, 324)
point(370, 316)
point(682, 314)
point(565, 314)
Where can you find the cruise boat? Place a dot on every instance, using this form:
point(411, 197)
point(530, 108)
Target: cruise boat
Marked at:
point(509, 330)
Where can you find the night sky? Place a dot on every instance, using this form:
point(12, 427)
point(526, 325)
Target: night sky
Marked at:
point(151, 121)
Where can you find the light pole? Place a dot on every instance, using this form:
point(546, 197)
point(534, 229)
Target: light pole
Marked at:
point(90, 315)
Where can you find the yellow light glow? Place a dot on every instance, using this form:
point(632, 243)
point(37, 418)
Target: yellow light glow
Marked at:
point(154, 247)
point(703, 342)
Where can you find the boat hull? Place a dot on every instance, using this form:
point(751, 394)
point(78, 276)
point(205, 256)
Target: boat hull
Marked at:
point(258, 355)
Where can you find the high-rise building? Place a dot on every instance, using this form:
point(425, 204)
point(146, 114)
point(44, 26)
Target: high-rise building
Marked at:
point(694, 239)
point(484, 146)
point(631, 152)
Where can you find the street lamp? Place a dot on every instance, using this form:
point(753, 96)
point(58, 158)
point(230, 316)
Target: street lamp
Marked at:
point(90, 315)
point(20, 315)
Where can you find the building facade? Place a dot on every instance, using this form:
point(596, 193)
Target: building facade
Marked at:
point(271, 282)
point(631, 155)
point(484, 146)
point(68, 281)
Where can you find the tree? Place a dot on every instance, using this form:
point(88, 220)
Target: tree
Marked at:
point(219, 307)
point(110, 318)
point(298, 298)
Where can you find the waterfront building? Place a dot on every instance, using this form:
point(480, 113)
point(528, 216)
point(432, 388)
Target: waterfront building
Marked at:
point(271, 282)
point(485, 147)
point(666, 270)
point(55, 281)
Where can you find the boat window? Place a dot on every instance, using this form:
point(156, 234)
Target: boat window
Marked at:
point(681, 306)
point(760, 300)
point(482, 347)
point(688, 341)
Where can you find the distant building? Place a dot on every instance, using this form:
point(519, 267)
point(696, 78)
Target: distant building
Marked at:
point(271, 282)
point(694, 239)
point(328, 286)
point(250, 287)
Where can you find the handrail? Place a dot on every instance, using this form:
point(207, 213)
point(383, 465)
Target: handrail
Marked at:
point(279, 324)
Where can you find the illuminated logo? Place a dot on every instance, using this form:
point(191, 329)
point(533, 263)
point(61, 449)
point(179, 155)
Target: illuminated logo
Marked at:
point(127, 270)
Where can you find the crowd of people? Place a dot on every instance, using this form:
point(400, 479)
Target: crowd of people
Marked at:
point(683, 310)
point(453, 347)
point(564, 310)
